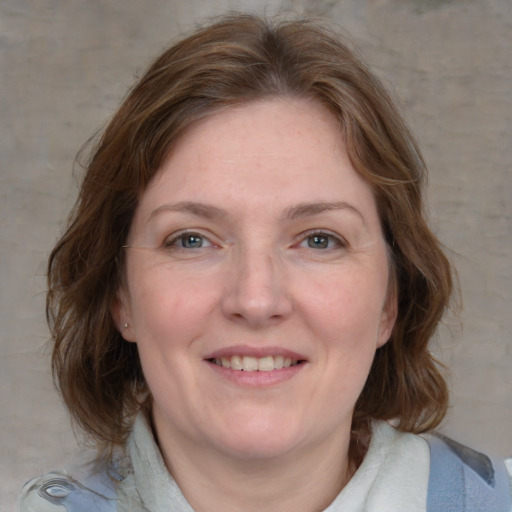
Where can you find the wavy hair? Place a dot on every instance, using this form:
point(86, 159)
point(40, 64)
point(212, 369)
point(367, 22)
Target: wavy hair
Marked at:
point(239, 59)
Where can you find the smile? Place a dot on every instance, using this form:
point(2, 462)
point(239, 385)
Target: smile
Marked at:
point(253, 364)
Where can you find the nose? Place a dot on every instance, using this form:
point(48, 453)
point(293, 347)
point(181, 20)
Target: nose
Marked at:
point(257, 290)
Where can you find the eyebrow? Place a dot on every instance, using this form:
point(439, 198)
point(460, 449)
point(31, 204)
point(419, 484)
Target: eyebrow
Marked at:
point(199, 209)
point(311, 209)
point(294, 212)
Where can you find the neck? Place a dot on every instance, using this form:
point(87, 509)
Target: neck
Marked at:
point(307, 479)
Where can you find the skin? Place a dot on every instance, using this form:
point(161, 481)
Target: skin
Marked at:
point(292, 260)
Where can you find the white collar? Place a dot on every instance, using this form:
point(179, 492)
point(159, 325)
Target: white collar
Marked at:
point(393, 475)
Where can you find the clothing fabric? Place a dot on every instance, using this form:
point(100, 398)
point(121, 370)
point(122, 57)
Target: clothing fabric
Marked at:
point(462, 479)
point(394, 475)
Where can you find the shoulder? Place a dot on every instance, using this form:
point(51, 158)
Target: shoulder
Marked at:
point(81, 489)
point(463, 479)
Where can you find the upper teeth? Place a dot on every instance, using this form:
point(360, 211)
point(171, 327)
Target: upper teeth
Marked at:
point(251, 364)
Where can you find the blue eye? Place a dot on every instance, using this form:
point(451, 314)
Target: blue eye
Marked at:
point(191, 241)
point(318, 241)
point(188, 241)
point(323, 241)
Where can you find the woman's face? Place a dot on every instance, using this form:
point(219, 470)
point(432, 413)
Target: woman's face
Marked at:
point(259, 306)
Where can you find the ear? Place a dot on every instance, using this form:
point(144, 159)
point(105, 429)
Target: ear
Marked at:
point(388, 316)
point(121, 314)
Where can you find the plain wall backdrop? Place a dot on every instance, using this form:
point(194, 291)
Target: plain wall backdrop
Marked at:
point(65, 66)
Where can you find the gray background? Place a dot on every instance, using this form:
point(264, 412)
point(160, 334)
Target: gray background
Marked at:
point(66, 64)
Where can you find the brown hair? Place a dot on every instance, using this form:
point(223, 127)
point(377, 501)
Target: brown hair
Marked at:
point(236, 60)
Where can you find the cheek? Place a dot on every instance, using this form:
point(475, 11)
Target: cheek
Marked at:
point(348, 304)
point(169, 306)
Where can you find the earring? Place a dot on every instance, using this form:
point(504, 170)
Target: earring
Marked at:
point(125, 326)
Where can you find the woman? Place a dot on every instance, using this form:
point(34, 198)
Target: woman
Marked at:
point(244, 296)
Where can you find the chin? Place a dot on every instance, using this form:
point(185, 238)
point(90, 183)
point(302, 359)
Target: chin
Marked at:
point(258, 449)
point(257, 439)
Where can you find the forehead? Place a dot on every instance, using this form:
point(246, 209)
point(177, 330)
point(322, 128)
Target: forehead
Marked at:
point(271, 151)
